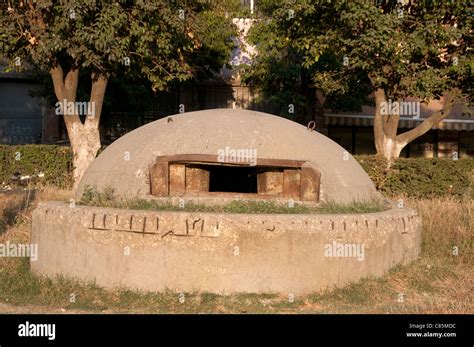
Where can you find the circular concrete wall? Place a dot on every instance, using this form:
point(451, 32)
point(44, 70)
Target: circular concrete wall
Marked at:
point(124, 165)
point(220, 253)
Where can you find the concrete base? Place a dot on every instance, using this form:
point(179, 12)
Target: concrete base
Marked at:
point(220, 253)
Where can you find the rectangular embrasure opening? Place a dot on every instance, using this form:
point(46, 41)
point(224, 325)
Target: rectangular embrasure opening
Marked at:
point(200, 175)
point(232, 179)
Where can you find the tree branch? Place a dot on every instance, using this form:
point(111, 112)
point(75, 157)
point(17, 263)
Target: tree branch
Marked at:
point(378, 120)
point(428, 123)
point(71, 81)
point(99, 86)
point(58, 81)
point(66, 91)
point(391, 125)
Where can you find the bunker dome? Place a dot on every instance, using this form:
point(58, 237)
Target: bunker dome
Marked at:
point(229, 151)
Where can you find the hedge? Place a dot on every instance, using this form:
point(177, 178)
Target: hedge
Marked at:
point(414, 177)
point(55, 162)
point(421, 177)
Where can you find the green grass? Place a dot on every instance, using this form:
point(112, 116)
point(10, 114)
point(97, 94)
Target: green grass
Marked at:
point(354, 207)
point(20, 287)
point(264, 207)
point(92, 197)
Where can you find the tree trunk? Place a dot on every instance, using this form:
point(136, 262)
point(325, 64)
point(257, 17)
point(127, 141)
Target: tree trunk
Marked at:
point(84, 137)
point(387, 142)
point(385, 130)
point(391, 149)
point(85, 144)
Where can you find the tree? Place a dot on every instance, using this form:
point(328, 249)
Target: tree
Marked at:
point(280, 75)
point(394, 49)
point(277, 72)
point(157, 39)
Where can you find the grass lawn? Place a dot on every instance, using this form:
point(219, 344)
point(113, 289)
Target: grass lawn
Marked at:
point(106, 198)
point(441, 280)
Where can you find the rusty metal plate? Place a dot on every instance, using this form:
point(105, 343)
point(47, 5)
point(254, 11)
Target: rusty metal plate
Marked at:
point(291, 183)
point(177, 179)
point(310, 179)
point(197, 179)
point(270, 182)
point(159, 179)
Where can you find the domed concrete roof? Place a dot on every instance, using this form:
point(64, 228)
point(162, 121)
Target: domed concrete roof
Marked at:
point(125, 164)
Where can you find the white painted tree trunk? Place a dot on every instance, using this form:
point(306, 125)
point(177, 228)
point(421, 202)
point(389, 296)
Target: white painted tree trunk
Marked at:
point(85, 144)
point(84, 137)
point(391, 149)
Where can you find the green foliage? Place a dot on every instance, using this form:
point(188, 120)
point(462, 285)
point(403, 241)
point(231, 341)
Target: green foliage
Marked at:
point(376, 167)
point(351, 48)
point(277, 71)
point(422, 177)
point(432, 178)
point(54, 162)
point(163, 40)
point(215, 31)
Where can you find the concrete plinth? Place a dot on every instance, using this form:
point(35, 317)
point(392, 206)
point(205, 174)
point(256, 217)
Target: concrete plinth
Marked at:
point(220, 253)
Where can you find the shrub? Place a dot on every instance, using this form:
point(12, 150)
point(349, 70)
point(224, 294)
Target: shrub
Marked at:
point(376, 167)
point(55, 162)
point(422, 177)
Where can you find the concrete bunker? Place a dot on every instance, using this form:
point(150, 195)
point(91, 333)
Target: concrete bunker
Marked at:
point(217, 156)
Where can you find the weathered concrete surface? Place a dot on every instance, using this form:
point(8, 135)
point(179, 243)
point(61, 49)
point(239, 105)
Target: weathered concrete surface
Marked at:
point(125, 164)
point(220, 253)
